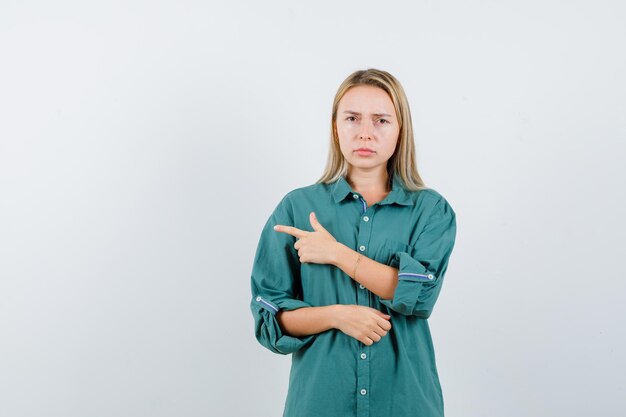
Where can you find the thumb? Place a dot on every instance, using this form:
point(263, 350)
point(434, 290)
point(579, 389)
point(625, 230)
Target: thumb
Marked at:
point(315, 223)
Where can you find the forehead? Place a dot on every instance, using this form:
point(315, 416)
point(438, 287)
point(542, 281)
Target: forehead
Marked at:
point(366, 99)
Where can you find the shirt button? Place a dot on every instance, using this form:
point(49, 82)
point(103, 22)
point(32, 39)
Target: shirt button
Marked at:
point(365, 218)
point(363, 356)
point(361, 248)
point(430, 276)
point(361, 286)
point(258, 298)
point(355, 196)
point(363, 391)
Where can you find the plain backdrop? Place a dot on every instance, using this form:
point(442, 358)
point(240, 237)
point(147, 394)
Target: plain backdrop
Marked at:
point(143, 145)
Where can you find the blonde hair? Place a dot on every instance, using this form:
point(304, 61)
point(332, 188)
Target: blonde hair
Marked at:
point(402, 163)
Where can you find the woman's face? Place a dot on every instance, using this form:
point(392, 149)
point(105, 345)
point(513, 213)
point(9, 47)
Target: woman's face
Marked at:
point(367, 126)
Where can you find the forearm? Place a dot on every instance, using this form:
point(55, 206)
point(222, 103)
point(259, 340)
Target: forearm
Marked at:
point(379, 278)
point(307, 320)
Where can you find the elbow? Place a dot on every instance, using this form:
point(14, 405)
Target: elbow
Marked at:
point(422, 313)
point(408, 310)
point(269, 334)
point(268, 331)
point(411, 301)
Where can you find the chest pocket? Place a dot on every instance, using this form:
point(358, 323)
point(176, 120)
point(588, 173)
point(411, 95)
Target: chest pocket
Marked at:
point(388, 249)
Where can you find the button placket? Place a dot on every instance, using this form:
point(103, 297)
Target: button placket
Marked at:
point(363, 381)
point(363, 298)
point(363, 238)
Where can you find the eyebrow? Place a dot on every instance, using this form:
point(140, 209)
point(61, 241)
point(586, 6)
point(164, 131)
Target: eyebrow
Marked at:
point(373, 114)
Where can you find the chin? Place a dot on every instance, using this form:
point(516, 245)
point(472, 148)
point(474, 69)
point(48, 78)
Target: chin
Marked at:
point(363, 164)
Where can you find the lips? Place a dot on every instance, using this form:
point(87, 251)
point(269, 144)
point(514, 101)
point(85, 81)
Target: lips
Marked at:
point(364, 151)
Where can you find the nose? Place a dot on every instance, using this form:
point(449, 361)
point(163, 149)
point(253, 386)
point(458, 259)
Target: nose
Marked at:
point(366, 130)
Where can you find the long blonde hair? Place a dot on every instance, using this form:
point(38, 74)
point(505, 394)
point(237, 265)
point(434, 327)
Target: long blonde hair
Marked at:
point(402, 163)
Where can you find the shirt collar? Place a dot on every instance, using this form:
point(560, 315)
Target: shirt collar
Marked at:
point(341, 190)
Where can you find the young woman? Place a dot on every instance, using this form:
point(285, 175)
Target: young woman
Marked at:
point(347, 270)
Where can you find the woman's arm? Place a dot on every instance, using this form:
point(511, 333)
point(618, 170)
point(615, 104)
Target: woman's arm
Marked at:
point(379, 278)
point(307, 320)
point(321, 247)
point(363, 323)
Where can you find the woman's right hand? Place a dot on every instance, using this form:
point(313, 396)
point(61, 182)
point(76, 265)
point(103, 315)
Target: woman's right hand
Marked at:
point(365, 324)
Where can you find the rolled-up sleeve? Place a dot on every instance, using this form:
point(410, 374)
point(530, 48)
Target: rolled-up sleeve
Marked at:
point(276, 284)
point(422, 267)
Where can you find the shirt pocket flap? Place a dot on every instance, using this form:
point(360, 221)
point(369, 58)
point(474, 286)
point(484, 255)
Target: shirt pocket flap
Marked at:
point(388, 249)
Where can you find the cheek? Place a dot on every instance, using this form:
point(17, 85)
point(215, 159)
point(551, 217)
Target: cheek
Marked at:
point(345, 148)
point(345, 136)
point(391, 142)
point(344, 131)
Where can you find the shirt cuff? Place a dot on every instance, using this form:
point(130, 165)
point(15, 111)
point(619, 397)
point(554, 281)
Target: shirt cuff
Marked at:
point(415, 283)
point(267, 329)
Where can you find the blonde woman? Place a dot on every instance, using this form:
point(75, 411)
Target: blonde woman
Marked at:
point(348, 270)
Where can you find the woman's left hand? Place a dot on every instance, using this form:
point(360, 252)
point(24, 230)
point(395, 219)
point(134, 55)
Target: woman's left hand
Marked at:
point(318, 247)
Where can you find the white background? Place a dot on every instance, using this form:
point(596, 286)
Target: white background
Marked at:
point(143, 145)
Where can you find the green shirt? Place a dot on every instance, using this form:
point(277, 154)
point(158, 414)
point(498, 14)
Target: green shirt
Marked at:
point(333, 374)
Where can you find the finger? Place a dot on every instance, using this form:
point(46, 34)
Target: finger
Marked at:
point(366, 340)
point(385, 325)
point(375, 337)
point(379, 330)
point(383, 315)
point(315, 223)
point(380, 333)
point(293, 231)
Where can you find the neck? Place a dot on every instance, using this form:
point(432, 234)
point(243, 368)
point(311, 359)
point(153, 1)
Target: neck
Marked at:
point(368, 181)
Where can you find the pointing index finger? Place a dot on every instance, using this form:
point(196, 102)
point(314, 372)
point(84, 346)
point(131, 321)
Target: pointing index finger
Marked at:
point(293, 231)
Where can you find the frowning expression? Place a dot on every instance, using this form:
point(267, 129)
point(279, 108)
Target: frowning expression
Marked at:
point(367, 126)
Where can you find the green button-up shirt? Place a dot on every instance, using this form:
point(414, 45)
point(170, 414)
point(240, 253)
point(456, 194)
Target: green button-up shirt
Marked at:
point(333, 374)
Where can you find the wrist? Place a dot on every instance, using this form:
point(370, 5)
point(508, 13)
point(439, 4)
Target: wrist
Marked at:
point(341, 255)
point(334, 316)
point(338, 251)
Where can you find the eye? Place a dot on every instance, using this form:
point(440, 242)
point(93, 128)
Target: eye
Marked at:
point(384, 121)
point(350, 118)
